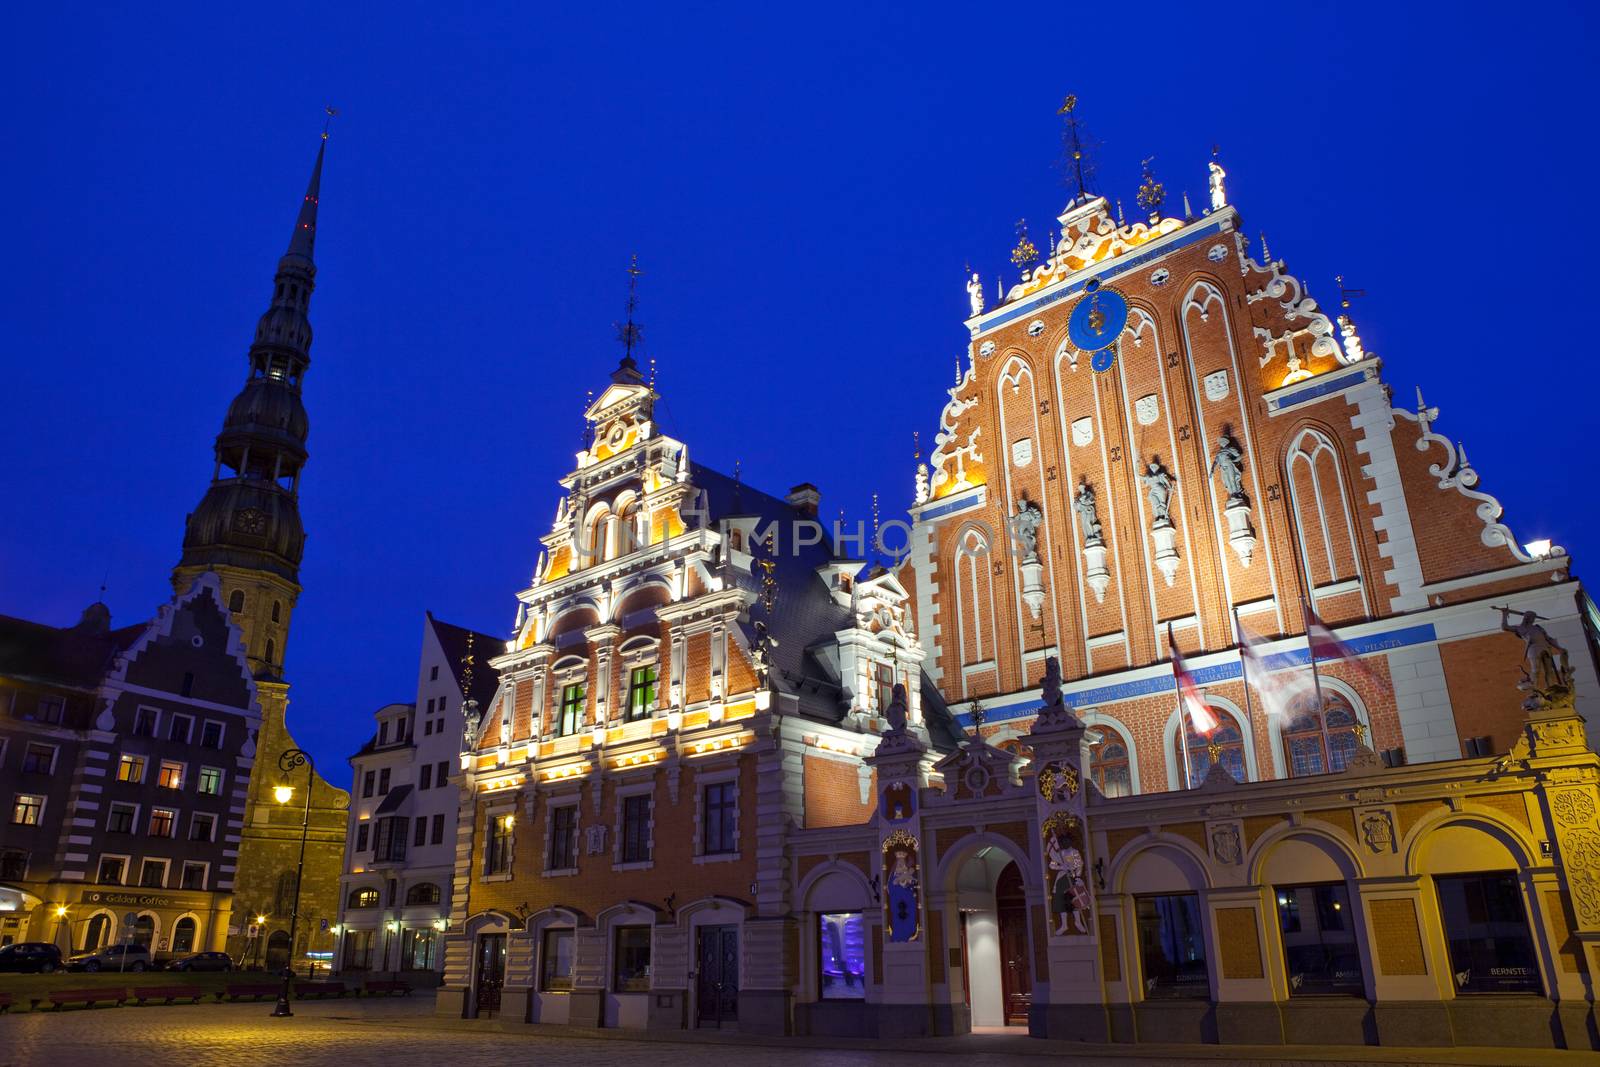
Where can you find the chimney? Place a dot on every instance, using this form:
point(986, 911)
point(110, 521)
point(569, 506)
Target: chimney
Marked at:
point(804, 498)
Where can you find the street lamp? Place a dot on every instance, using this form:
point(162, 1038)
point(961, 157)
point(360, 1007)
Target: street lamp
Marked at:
point(287, 763)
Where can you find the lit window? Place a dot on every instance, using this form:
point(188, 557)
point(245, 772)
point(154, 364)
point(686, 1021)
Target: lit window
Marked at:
point(842, 956)
point(1108, 764)
point(641, 692)
point(130, 769)
point(28, 809)
point(571, 711)
point(1195, 749)
point(497, 850)
point(364, 898)
point(162, 821)
point(1320, 744)
point(170, 775)
point(210, 781)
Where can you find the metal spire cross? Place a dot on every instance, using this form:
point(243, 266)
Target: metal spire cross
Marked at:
point(1074, 142)
point(332, 111)
point(628, 332)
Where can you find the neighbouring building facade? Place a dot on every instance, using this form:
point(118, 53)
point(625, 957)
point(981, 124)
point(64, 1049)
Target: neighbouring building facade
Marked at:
point(727, 779)
point(246, 530)
point(400, 843)
point(125, 758)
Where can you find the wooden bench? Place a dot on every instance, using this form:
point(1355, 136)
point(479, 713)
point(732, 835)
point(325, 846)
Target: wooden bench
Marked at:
point(88, 997)
point(393, 988)
point(318, 989)
point(167, 993)
point(5, 1003)
point(254, 992)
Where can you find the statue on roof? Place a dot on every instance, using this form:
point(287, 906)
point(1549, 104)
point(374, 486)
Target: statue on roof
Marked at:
point(975, 293)
point(1219, 197)
point(1546, 673)
point(897, 713)
point(1050, 684)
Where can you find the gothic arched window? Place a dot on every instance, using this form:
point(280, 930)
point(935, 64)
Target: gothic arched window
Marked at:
point(1194, 752)
point(1320, 743)
point(1109, 767)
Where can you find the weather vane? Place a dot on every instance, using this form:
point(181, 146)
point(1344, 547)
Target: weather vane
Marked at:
point(628, 332)
point(1151, 192)
point(1026, 251)
point(332, 111)
point(1072, 137)
point(1346, 294)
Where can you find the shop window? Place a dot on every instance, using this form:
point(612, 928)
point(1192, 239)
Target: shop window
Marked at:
point(358, 950)
point(1172, 947)
point(1319, 941)
point(417, 949)
point(183, 934)
point(641, 692)
point(1486, 927)
point(1109, 767)
point(1195, 753)
point(630, 971)
point(555, 961)
point(842, 957)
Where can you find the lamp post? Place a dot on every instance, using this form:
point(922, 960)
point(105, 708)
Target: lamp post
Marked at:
point(287, 762)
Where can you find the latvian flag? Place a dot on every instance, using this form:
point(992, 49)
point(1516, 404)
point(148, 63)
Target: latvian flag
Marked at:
point(1324, 645)
point(1279, 690)
point(1188, 694)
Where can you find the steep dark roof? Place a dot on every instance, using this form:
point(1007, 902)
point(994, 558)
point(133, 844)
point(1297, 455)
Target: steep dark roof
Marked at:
point(77, 656)
point(453, 640)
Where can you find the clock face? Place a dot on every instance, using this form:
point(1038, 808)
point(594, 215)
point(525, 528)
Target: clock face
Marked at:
point(250, 521)
point(1098, 319)
point(1102, 360)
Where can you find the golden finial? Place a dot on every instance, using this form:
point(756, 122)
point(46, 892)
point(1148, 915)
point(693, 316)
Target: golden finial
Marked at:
point(916, 446)
point(1026, 252)
point(1151, 192)
point(467, 660)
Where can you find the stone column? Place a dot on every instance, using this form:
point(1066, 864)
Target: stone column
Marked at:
point(901, 763)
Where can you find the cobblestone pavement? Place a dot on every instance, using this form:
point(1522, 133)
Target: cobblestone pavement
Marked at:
point(356, 1033)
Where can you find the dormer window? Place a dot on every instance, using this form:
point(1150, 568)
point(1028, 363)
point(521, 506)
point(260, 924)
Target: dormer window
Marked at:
point(883, 685)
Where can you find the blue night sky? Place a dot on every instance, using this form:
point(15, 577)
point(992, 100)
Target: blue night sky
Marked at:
point(802, 186)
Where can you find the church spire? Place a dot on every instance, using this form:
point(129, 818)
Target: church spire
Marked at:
point(247, 526)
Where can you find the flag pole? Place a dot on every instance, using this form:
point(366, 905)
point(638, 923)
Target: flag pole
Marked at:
point(1244, 671)
point(1311, 650)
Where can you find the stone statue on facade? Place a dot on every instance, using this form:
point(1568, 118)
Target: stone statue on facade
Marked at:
point(975, 294)
point(1084, 504)
point(1025, 529)
point(761, 653)
point(1219, 198)
point(1230, 461)
point(897, 712)
point(470, 718)
point(1546, 673)
point(1158, 489)
point(1050, 684)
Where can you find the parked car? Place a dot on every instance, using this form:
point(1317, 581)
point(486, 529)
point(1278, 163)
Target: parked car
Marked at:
point(201, 961)
point(112, 958)
point(32, 957)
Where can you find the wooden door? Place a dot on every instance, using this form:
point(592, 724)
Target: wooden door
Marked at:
point(717, 980)
point(1016, 962)
point(490, 974)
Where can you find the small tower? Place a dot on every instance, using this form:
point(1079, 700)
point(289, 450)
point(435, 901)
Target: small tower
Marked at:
point(247, 526)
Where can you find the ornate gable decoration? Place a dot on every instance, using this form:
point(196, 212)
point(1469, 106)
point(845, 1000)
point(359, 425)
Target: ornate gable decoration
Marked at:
point(976, 770)
point(1088, 236)
point(880, 606)
point(957, 464)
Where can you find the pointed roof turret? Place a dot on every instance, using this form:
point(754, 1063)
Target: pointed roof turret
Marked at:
point(303, 241)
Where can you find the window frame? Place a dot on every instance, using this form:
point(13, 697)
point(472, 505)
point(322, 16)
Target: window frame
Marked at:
point(357, 898)
point(1534, 985)
point(188, 729)
point(126, 759)
point(1147, 985)
point(183, 875)
point(162, 766)
point(172, 823)
point(195, 817)
point(568, 842)
point(1187, 746)
point(643, 692)
point(166, 871)
point(127, 867)
point(132, 810)
point(549, 982)
point(1287, 901)
point(200, 781)
point(222, 734)
point(573, 699)
point(636, 842)
point(728, 841)
point(37, 809)
point(821, 948)
point(639, 981)
point(499, 837)
point(155, 722)
point(28, 753)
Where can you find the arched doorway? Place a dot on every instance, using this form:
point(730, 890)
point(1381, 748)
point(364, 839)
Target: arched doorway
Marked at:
point(144, 931)
point(183, 935)
point(97, 932)
point(996, 963)
point(278, 951)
